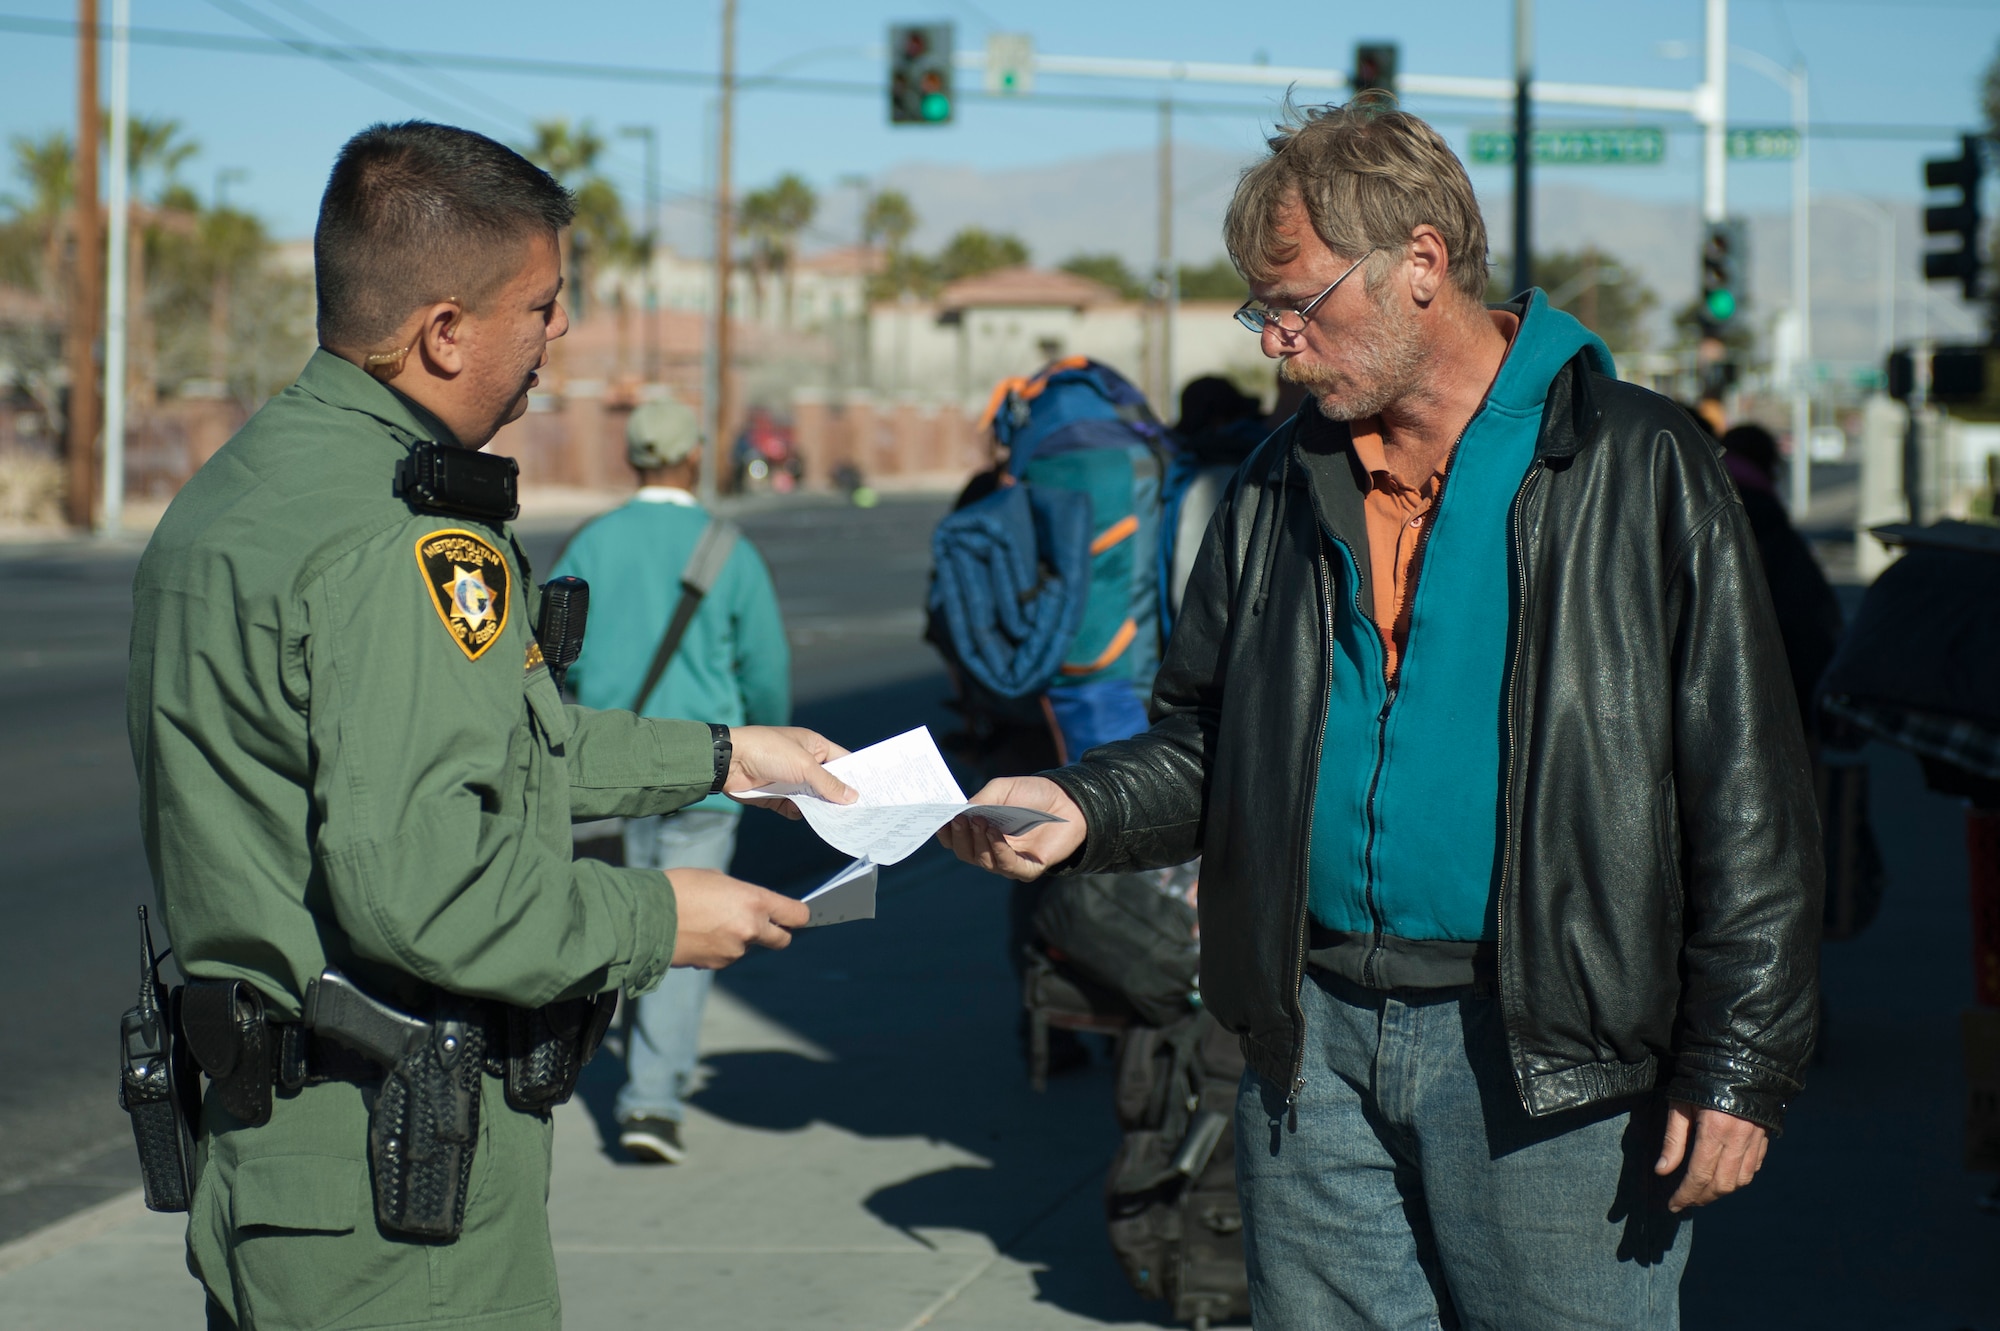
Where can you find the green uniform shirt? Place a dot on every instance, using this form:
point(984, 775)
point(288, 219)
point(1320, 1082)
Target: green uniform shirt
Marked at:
point(349, 750)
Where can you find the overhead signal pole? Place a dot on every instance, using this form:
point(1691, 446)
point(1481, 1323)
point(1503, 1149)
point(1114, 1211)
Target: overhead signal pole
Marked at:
point(1707, 104)
point(716, 399)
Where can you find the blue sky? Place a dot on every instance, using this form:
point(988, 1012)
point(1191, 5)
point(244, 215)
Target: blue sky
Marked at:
point(279, 120)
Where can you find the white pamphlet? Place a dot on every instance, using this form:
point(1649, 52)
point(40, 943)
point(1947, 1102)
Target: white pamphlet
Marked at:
point(848, 895)
point(906, 794)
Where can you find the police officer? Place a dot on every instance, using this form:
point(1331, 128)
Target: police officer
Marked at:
point(351, 755)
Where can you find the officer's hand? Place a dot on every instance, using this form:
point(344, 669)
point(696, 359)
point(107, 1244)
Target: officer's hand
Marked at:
point(1727, 1153)
point(1025, 857)
point(784, 757)
point(719, 917)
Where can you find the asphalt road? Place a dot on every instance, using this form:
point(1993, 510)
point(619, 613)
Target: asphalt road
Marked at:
point(72, 869)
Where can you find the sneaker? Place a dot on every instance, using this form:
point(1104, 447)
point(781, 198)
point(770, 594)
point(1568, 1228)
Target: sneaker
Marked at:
point(654, 1141)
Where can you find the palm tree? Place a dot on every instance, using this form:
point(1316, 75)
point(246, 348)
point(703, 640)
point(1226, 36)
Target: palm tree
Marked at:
point(31, 257)
point(771, 219)
point(601, 233)
point(157, 144)
point(157, 148)
point(46, 166)
point(889, 221)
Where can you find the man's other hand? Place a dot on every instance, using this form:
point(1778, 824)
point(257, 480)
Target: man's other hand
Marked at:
point(786, 757)
point(1025, 857)
point(719, 917)
point(1728, 1151)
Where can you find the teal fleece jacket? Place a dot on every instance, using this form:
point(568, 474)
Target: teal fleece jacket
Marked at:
point(733, 668)
point(1406, 813)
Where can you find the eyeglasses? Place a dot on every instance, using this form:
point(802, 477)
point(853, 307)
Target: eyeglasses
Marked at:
point(1256, 316)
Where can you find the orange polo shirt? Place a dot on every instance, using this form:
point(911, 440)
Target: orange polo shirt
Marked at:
point(1397, 516)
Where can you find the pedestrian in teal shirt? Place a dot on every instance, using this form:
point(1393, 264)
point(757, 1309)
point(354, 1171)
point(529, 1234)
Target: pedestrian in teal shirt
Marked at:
point(732, 665)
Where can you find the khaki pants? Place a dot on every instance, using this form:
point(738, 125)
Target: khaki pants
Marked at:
point(282, 1231)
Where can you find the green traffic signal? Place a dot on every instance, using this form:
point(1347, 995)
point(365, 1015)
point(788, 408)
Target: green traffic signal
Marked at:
point(920, 69)
point(1722, 305)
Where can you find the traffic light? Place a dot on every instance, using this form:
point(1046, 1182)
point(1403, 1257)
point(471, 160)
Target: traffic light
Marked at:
point(1723, 255)
point(1374, 66)
point(1957, 374)
point(1959, 219)
point(920, 74)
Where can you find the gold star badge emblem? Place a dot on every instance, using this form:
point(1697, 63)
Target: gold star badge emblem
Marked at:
point(468, 583)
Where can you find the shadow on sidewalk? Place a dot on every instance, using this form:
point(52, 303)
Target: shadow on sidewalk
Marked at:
point(1864, 1217)
point(919, 1009)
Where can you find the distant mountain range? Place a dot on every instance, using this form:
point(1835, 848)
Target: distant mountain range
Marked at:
point(1106, 203)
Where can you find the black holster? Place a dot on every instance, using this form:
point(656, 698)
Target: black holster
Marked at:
point(548, 1046)
point(222, 1023)
point(424, 1124)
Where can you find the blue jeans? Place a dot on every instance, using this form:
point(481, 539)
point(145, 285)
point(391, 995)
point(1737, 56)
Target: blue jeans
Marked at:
point(665, 1036)
point(1413, 1190)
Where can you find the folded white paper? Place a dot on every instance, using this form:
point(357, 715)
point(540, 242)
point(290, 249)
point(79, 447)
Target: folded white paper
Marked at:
point(848, 895)
point(906, 794)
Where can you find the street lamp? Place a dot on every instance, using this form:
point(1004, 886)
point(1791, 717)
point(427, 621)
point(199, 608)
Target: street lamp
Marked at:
point(1793, 80)
point(652, 138)
point(1884, 220)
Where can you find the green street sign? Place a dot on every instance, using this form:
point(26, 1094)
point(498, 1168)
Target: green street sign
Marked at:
point(1614, 145)
point(1763, 145)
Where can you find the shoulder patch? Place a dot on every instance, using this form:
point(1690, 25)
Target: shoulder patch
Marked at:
point(467, 580)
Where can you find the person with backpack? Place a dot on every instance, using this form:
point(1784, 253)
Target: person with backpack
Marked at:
point(1478, 714)
point(684, 624)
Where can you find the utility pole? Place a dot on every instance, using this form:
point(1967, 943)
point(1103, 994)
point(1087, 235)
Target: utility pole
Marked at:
point(717, 403)
point(1524, 144)
point(112, 516)
point(86, 290)
point(1168, 286)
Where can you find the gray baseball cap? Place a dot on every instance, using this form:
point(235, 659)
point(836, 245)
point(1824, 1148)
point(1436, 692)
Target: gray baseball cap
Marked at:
point(660, 434)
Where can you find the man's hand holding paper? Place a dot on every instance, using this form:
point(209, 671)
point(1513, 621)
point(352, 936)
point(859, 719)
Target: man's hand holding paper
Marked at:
point(1023, 853)
point(906, 793)
point(769, 763)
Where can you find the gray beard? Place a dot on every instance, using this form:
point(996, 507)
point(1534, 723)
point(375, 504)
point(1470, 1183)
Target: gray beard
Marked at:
point(1387, 370)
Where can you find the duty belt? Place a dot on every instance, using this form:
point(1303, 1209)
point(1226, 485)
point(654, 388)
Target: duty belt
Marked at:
point(423, 1119)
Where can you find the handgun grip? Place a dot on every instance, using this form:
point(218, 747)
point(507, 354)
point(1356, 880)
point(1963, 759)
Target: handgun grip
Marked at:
point(341, 1012)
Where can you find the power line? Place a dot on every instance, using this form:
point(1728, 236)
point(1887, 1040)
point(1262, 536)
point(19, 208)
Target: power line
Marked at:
point(341, 59)
point(327, 23)
point(506, 119)
point(589, 71)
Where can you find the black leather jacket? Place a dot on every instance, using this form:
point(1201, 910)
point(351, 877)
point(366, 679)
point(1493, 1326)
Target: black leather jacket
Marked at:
point(1657, 918)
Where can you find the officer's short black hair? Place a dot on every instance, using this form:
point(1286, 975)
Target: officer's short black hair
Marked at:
point(418, 212)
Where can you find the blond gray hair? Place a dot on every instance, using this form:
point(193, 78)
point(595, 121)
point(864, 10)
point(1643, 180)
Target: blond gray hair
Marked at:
point(1367, 175)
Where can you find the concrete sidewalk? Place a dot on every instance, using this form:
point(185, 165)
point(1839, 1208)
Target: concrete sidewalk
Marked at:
point(866, 1154)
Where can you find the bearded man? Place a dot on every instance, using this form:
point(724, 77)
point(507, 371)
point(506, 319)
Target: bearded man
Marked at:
point(1477, 712)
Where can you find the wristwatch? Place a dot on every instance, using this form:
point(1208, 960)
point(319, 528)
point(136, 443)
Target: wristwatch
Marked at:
point(724, 753)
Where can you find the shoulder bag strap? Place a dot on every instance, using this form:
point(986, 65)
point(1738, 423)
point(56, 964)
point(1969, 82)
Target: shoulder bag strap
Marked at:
point(704, 566)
